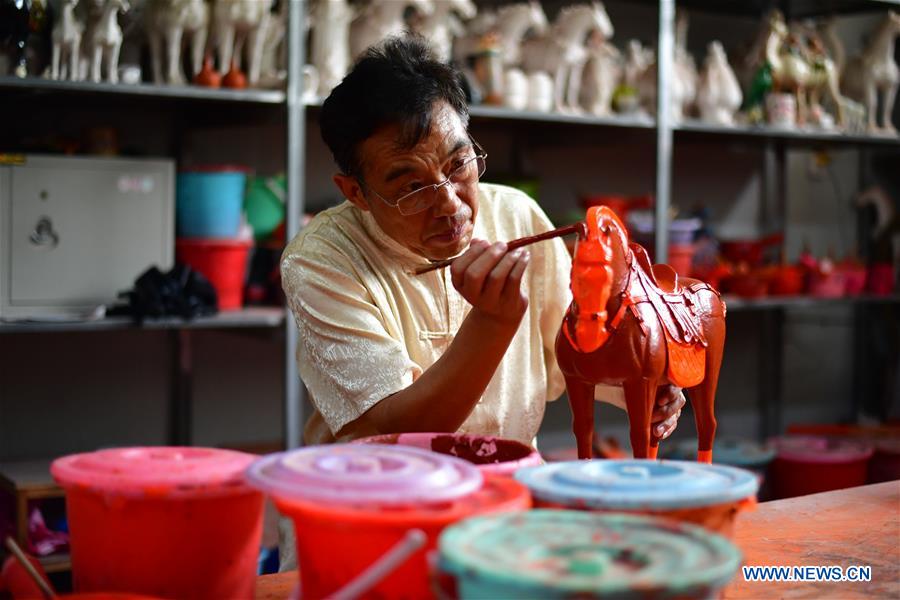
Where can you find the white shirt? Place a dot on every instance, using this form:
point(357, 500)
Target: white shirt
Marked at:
point(368, 327)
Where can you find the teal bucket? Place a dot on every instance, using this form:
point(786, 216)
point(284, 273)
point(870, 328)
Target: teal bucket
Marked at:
point(562, 554)
point(208, 202)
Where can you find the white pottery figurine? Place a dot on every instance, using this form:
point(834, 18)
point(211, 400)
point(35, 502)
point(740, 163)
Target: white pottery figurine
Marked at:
point(562, 52)
point(719, 94)
point(514, 21)
point(272, 69)
point(685, 66)
point(240, 22)
point(684, 80)
point(442, 25)
point(874, 72)
point(105, 40)
point(380, 19)
point(466, 44)
point(601, 76)
point(66, 36)
point(330, 42)
point(168, 21)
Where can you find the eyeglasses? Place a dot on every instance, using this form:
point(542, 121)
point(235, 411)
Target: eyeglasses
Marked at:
point(467, 172)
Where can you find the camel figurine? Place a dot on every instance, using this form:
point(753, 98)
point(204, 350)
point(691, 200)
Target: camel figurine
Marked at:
point(640, 327)
point(66, 36)
point(719, 94)
point(787, 62)
point(683, 90)
point(442, 26)
point(330, 42)
point(381, 19)
point(103, 40)
point(273, 68)
point(166, 21)
point(240, 22)
point(874, 72)
point(562, 52)
point(14, 30)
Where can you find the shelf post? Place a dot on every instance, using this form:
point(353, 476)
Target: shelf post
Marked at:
point(294, 171)
point(664, 66)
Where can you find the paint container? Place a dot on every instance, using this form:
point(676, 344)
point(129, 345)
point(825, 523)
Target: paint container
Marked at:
point(492, 455)
point(707, 495)
point(733, 452)
point(162, 521)
point(812, 464)
point(352, 503)
point(572, 554)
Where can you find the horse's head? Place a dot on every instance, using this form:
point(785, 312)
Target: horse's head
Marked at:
point(465, 8)
point(593, 271)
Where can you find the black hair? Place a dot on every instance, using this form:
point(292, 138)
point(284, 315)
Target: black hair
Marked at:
point(396, 82)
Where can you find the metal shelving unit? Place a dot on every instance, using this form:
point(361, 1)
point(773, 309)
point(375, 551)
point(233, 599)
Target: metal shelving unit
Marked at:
point(38, 85)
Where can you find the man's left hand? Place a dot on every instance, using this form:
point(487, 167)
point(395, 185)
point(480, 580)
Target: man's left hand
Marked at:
point(669, 402)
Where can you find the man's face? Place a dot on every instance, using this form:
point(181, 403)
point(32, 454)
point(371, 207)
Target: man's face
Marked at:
point(445, 228)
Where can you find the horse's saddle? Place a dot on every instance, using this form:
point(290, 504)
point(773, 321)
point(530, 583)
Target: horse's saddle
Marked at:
point(674, 307)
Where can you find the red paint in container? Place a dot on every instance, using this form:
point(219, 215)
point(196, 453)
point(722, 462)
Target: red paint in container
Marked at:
point(492, 455)
point(162, 521)
point(352, 503)
point(222, 262)
point(812, 464)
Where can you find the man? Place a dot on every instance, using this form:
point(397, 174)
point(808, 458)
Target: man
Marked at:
point(469, 348)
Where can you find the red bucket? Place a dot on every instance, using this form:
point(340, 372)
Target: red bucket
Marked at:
point(812, 464)
point(223, 262)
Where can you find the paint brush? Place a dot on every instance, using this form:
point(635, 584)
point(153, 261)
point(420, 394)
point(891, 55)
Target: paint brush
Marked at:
point(578, 228)
point(46, 590)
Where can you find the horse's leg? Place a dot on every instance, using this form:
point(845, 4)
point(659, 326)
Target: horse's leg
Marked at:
point(703, 396)
point(54, 61)
point(576, 72)
point(96, 62)
point(112, 61)
point(872, 104)
point(887, 106)
point(173, 47)
point(581, 400)
point(73, 59)
point(198, 48)
point(559, 86)
point(255, 49)
point(640, 394)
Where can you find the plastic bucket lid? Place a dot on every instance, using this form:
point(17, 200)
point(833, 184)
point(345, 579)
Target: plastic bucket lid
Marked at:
point(490, 454)
point(633, 484)
point(364, 474)
point(729, 451)
point(816, 449)
point(556, 553)
point(156, 471)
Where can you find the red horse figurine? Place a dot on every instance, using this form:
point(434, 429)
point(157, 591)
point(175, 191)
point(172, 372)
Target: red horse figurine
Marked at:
point(641, 327)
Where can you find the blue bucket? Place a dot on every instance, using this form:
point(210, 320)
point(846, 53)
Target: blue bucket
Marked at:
point(209, 201)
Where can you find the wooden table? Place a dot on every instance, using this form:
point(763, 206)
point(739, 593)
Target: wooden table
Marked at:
point(852, 527)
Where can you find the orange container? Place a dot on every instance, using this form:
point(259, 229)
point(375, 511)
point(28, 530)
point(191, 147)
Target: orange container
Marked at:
point(352, 503)
point(706, 495)
point(167, 522)
point(223, 262)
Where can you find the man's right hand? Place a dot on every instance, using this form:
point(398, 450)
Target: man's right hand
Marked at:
point(490, 279)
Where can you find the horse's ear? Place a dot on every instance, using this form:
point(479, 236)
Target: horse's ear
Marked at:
point(611, 214)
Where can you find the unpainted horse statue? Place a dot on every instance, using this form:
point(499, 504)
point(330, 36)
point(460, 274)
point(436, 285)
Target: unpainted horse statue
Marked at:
point(238, 23)
point(640, 327)
point(442, 25)
point(874, 72)
point(719, 94)
point(380, 19)
point(14, 30)
point(66, 36)
point(104, 40)
point(330, 42)
point(562, 53)
point(167, 21)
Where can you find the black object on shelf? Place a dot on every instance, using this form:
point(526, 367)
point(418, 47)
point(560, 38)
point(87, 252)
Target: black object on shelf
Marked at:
point(182, 292)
